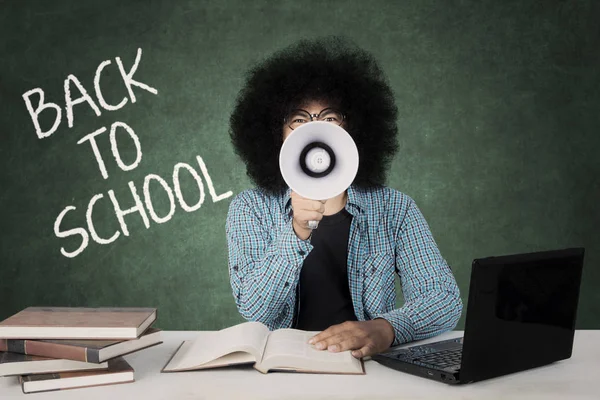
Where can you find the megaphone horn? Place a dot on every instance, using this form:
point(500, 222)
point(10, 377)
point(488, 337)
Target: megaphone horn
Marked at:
point(318, 160)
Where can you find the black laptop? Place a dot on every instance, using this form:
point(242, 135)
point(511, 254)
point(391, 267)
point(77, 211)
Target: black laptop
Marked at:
point(521, 315)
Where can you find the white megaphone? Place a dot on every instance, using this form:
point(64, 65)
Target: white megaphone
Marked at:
point(318, 160)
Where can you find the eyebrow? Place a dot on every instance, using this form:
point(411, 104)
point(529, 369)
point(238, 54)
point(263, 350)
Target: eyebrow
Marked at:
point(300, 109)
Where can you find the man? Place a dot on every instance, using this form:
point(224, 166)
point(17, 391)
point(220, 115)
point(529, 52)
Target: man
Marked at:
point(338, 278)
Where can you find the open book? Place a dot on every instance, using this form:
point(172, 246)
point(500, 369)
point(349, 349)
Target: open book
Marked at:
point(252, 342)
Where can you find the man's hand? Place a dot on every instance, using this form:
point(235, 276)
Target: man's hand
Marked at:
point(365, 338)
point(305, 210)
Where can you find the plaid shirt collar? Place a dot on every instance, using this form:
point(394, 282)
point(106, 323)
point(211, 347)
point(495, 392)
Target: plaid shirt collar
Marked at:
point(355, 204)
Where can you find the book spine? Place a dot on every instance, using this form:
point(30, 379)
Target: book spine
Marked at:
point(4, 345)
point(51, 350)
point(92, 355)
point(13, 345)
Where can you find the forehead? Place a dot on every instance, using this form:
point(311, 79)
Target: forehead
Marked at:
point(314, 106)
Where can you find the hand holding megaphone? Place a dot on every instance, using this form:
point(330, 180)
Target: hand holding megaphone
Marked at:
point(306, 211)
point(318, 161)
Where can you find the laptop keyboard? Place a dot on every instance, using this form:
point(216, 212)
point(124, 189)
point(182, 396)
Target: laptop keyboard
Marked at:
point(444, 359)
point(443, 354)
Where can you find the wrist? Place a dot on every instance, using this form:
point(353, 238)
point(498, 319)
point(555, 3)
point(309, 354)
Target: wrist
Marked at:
point(387, 329)
point(302, 233)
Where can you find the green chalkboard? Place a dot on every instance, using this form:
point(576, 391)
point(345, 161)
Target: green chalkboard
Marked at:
point(499, 135)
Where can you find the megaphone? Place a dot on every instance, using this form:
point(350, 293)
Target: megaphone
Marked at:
point(318, 160)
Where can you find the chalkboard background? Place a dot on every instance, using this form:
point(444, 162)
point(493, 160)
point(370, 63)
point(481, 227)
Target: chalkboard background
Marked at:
point(498, 122)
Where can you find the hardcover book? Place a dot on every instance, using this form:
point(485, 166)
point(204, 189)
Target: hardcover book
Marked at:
point(119, 371)
point(253, 343)
point(77, 323)
point(94, 351)
point(20, 364)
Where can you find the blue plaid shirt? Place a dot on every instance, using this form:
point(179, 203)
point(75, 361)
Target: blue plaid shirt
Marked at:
point(388, 235)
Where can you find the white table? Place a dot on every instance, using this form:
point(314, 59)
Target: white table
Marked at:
point(572, 379)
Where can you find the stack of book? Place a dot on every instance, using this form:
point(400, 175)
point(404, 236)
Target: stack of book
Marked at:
point(63, 348)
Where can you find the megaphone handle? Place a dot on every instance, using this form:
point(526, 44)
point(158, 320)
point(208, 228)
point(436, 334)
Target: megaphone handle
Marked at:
point(313, 224)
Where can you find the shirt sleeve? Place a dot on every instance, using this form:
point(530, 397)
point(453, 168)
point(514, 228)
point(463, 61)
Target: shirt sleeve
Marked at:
point(264, 266)
point(431, 294)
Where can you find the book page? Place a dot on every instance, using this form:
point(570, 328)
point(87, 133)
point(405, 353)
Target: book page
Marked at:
point(289, 349)
point(249, 337)
point(235, 358)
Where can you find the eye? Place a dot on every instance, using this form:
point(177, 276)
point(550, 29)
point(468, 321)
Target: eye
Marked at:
point(298, 120)
point(332, 116)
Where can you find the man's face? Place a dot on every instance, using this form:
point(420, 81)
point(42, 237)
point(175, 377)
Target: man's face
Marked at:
point(312, 107)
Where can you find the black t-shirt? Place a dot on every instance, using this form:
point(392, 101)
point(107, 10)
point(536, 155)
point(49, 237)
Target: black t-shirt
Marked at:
point(323, 292)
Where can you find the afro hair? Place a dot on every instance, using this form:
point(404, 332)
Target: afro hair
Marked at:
point(330, 69)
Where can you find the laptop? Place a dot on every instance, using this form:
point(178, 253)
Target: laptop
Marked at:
point(521, 314)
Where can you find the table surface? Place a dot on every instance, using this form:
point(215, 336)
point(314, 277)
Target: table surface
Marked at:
point(573, 379)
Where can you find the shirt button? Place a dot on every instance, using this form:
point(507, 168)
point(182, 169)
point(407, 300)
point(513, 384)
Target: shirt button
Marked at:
point(286, 284)
point(301, 252)
point(235, 268)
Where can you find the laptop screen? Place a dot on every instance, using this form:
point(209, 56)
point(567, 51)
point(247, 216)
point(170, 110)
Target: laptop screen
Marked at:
point(521, 312)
